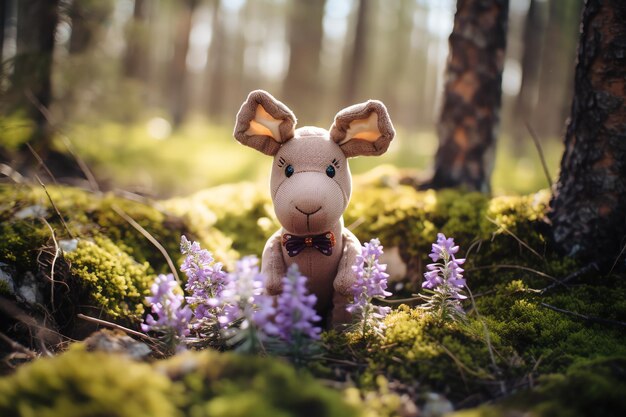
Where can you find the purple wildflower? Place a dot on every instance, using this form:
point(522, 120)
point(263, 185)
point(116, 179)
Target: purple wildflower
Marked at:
point(295, 311)
point(244, 289)
point(205, 282)
point(167, 304)
point(444, 280)
point(371, 282)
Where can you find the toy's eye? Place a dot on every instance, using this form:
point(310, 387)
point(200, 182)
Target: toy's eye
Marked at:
point(330, 171)
point(289, 171)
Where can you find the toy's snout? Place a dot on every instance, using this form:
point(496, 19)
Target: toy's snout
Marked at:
point(309, 202)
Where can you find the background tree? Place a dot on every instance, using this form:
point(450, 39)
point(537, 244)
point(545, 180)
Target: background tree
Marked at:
point(353, 72)
point(302, 85)
point(178, 68)
point(216, 68)
point(88, 19)
point(473, 89)
point(136, 42)
point(32, 73)
point(557, 58)
point(589, 205)
point(533, 42)
point(3, 19)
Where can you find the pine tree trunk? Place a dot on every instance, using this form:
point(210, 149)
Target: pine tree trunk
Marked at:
point(557, 63)
point(473, 90)
point(3, 25)
point(31, 82)
point(88, 19)
point(178, 70)
point(589, 206)
point(216, 71)
point(533, 41)
point(301, 85)
point(354, 67)
point(135, 57)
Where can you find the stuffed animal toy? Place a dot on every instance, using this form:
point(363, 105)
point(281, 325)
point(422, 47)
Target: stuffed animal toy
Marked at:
point(310, 187)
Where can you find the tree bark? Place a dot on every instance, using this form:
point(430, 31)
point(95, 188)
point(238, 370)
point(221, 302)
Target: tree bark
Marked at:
point(31, 81)
point(533, 41)
point(358, 53)
point(216, 69)
point(557, 64)
point(3, 25)
point(135, 57)
point(178, 71)
point(473, 90)
point(88, 18)
point(589, 206)
point(301, 85)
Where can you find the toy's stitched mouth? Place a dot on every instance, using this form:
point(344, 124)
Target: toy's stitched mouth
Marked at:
point(308, 214)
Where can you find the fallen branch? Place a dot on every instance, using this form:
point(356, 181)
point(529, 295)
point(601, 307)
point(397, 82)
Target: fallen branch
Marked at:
point(16, 346)
point(151, 238)
point(520, 241)
point(54, 206)
point(585, 317)
point(523, 268)
point(114, 326)
point(570, 277)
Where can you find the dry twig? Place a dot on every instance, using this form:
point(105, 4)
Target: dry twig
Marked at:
point(148, 236)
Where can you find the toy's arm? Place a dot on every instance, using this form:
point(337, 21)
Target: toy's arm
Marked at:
point(273, 265)
point(345, 275)
point(344, 280)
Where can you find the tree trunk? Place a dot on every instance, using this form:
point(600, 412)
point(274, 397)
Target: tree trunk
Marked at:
point(3, 25)
point(354, 68)
point(31, 81)
point(136, 56)
point(301, 85)
point(557, 64)
point(533, 41)
point(178, 71)
point(88, 19)
point(216, 69)
point(589, 206)
point(473, 90)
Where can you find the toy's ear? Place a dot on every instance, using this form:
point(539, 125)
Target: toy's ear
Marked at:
point(264, 123)
point(363, 129)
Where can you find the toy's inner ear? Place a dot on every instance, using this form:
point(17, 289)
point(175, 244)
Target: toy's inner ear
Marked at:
point(264, 124)
point(364, 129)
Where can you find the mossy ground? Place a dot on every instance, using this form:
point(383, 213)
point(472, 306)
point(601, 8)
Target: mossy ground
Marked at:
point(531, 342)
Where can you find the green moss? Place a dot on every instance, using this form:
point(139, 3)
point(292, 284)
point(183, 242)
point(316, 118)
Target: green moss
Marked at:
point(88, 214)
point(592, 388)
point(233, 220)
point(231, 385)
point(82, 384)
point(115, 282)
point(451, 358)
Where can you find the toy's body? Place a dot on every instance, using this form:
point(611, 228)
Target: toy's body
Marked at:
point(310, 187)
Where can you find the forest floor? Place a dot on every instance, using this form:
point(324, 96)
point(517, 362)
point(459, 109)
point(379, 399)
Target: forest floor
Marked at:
point(544, 334)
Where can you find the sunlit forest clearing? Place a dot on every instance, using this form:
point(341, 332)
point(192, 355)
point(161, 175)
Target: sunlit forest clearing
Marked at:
point(177, 240)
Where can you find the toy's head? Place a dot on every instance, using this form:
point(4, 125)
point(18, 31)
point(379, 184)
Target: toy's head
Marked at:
point(311, 182)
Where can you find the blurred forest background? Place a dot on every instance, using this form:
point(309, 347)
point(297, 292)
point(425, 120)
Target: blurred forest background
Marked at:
point(145, 92)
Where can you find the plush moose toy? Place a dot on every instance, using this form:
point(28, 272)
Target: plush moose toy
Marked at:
point(310, 187)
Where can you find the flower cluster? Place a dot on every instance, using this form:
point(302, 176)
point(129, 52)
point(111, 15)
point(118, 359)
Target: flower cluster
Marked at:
point(231, 307)
point(172, 317)
point(371, 283)
point(444, 280)
point(295, 310)
point(205, 283)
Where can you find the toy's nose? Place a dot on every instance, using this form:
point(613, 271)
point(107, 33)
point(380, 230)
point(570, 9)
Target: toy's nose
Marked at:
point(311, 193)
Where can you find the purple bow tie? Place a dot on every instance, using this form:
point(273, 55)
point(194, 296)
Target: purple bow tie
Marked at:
point(295, 244)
